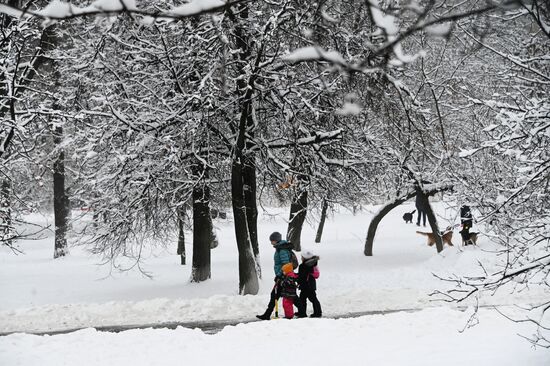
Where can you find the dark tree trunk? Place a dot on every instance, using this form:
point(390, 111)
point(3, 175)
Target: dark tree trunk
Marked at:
point(202, 229)
point(243, 179)
point(379, 216)
point(298, 212)
point(248, 278)
point(181, 233)
point(60, 201)
point(322, 222)
point(425, 203)
point(6, 225)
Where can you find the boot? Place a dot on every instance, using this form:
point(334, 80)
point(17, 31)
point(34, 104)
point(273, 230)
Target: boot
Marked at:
point(264, 316)
point(316, 315)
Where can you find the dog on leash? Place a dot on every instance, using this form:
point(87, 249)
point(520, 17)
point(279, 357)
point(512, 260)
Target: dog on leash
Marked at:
point(408, 217)
point(472, 240)
point(445, 237)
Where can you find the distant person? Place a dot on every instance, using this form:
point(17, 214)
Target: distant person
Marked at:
point(288, 291)
point(422, 211)
point(308, 273)
point(282, 256)
point(467, 221)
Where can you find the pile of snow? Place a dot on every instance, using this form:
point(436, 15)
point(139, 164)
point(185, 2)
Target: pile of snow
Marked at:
point(430, 337)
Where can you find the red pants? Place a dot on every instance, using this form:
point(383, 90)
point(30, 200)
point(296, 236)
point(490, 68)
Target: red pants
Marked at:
point(288, 306)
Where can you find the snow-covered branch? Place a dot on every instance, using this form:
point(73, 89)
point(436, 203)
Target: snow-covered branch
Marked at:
point(58, 10)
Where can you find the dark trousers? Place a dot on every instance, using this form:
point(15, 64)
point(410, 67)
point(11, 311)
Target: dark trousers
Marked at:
point(273, 296)
point(424, 215)
point(307, 294)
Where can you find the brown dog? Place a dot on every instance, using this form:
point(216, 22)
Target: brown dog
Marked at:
point(445, 237)
point(472, 240)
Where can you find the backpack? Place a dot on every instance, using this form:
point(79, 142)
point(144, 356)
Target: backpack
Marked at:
point(293, 259)
point(315, 273)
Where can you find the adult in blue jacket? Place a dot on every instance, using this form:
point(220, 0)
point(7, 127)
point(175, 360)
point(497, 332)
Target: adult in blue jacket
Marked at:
point(281, 257)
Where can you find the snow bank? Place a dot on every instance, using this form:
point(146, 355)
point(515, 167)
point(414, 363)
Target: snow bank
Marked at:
point(429, 337)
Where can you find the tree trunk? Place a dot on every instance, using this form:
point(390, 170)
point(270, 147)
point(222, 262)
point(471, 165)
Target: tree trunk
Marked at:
point(6, 225)
point(379, 216)
point(322, 222)
point(248, 278)
point(298, 211)
point(60, 201)
point(202, 228)
point(181, 233)
point(431, 219)
point(249, 188)
point(390, 206)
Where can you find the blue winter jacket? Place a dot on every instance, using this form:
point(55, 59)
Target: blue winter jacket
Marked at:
point(281, 256)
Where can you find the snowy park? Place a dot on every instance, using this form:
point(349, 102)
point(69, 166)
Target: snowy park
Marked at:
point(220, 182)
point(403, 325)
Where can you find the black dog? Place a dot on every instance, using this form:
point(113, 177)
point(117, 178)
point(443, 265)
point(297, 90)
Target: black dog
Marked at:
point(408, 217)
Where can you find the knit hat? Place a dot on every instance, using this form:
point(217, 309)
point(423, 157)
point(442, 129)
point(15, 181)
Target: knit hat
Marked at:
point(307, 254)
point(287, 268)
point(275, 236)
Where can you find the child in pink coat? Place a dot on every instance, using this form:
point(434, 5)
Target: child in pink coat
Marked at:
point(308, 273)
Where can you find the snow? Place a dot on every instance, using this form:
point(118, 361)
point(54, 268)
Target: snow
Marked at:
point(465, 153)
point(60, 9)
point(388, 23)
point(328, 17)
point(41, 294)
point(112, 5)
point(57, 9)
point(314, 53)
point(349, 109)
point(439, 30)
point(373, 340)
point(196, 7)
point(384, 21)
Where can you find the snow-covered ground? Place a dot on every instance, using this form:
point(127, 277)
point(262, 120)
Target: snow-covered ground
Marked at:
point(41, 294)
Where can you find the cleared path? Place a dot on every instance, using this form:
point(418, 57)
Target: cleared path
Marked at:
point(209, 327)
